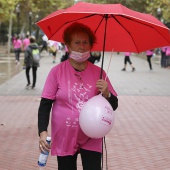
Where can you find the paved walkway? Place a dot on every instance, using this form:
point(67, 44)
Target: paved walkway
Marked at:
point(139, 140)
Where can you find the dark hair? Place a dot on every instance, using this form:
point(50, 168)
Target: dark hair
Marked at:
point(32, 39)
point(78, 28)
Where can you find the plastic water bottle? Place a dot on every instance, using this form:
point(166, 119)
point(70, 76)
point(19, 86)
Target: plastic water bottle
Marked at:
point(44, 155)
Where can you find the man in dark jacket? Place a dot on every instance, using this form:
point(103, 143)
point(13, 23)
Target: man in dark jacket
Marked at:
point(30, 62)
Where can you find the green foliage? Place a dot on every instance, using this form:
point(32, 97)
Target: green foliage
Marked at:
point(43, 8)
point(6, 7)
point(153, 5)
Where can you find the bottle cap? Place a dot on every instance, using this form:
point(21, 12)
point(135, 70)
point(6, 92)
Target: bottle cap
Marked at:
point(48, 138)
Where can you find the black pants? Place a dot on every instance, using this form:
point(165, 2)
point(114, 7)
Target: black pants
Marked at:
point(17, 54)
point(163, 60)
point(90, 160)
point(149, 61)
point(127, 60)
point(34, 75)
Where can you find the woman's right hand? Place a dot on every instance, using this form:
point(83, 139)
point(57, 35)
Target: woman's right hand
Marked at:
point(43, 145)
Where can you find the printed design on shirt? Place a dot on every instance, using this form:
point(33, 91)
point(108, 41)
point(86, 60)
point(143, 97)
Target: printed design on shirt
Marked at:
point(72, 123)
point(78, 91)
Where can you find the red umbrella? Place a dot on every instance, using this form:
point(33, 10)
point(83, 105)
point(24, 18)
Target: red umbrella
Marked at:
point(116, 27)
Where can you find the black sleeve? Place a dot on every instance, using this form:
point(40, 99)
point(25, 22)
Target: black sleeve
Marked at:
point(44, 114)
point(113, 100)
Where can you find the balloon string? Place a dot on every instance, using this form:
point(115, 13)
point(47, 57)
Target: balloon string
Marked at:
point(102, 153)
point(104, 143)
point(106, 152)
point(109, 64)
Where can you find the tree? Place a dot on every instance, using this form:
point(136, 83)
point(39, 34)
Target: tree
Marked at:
point(153, 5)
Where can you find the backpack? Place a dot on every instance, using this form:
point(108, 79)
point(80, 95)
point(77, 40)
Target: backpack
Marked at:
point(35, 55)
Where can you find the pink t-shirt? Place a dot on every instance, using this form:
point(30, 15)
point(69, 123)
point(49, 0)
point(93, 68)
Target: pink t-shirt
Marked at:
point(71, 89)
point(167, 51)
point(17, 43)
point(127, 53)
point(149, 52)
point(26, 42)
point(163, 49)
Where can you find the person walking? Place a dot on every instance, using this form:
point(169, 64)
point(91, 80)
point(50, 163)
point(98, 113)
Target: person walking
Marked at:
point(149, 54)
point(65, 55)
point(26, 42)
point(163, 57)
point(68, 86)
point(53, 47)
point(44, 44)
point(127, 60)
point(167, 57)
point(17, 44)
point(30, 62)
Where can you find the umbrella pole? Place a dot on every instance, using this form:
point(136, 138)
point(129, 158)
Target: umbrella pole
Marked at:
point(104, 41)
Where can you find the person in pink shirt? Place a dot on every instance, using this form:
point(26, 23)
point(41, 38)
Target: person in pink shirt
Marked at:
point(68, 86)
point(127, 60)
point(149, 54)
point(167, 57)
point(17, 44)
point(26, 42)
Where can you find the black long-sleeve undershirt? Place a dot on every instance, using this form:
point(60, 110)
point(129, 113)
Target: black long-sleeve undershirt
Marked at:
point(44, 114)
point(45, 109)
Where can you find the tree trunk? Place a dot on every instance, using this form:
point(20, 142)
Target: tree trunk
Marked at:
point(9, 33)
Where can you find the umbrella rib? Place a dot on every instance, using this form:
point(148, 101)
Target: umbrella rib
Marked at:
point(71, 22)
point(99, 23)
point(147, 26)
point(140, 23)
point(104, 42)
point(125, 29)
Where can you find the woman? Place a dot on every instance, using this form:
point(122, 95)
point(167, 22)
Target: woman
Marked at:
point(149, 54)
point(53, 47)
point(17, 43)
point(26, 42)
point(163, 57)
point(127, 60)
point(167, 56)
point(68, 86)
point(29, 62)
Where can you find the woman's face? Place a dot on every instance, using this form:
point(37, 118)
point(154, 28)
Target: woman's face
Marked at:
point(80, 43)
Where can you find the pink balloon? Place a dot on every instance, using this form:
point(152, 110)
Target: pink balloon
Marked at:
point(96, 117)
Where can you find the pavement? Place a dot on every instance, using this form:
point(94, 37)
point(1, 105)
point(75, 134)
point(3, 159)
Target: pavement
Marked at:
point(139, 139)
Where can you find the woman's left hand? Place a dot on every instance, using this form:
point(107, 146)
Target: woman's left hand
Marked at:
point(102, 86)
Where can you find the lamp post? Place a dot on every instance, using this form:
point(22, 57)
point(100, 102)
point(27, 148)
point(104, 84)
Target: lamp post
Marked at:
point(30, 22)
point(18, 17)
point(37, 29)
point(159, 13)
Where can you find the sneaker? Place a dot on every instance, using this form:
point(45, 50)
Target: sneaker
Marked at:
point(28, 86)
point(133, 69)
point(123, 69)
point(33, 87)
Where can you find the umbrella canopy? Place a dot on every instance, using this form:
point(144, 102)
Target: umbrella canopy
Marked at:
point(115, 26)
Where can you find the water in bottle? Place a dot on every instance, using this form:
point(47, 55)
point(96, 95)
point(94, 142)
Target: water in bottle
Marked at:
point(44, 155)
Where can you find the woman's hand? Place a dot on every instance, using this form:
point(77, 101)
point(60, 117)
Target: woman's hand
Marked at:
point(102, 86)
point(43, 145)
